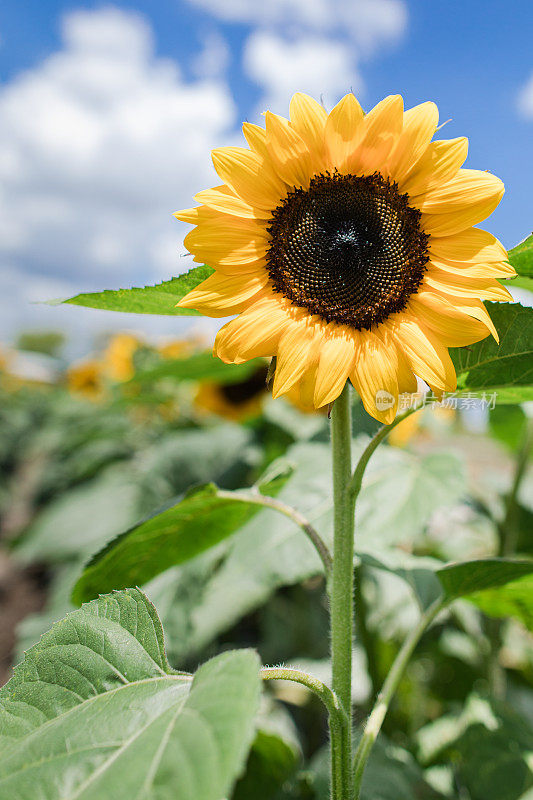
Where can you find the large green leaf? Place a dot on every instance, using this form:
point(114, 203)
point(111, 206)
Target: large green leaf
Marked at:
point(158, 299)
point(489, 746)
point(202, 598)
point(95, 711)
point(199, 521)
point(505, 368)
point(521, 257)
point(459, 580)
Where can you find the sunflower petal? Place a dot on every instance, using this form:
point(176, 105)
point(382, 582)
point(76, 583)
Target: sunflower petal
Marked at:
point(288, 151)
point(452, 326)
point(254, 333)
point(428, 357)
point(381, 129)
point(467, 187)
point(255, 135)
point(228, 240)
point(463, 213)
point(222, 295)
point(308, 118)
point(473, 308)
point(221, 198)
point(337, 352)
point(481, 288)
point(294, 348)
point(440, 162)
point(472, 245)
point(250, 176)
point(344, 129)
point(419, 125)
point(374, 375)
point(440, 267)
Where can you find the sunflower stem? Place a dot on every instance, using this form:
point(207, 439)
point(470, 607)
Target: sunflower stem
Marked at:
point(341, 593)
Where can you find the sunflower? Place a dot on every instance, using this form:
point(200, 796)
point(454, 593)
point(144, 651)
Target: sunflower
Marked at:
point(344, 243)
point(234, 401)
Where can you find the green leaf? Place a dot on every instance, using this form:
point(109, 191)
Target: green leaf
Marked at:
point(489, 746)
point(507, 424)
point(467, 577)
point(271, 762)
point(158, 299)
point(505, 368)
point(521, 257)
point(95, 711)
point(201, 520)
point(515, 599)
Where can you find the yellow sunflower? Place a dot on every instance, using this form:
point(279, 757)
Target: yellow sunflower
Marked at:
point(344, 243)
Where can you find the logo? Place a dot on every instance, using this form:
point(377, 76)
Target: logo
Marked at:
point(384, 400)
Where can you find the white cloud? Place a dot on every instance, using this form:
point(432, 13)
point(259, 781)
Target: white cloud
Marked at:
point(369, 22)
point(214, 58)
point(525, 99)
point(98, 145)
point(310, 45)
point(319, 66)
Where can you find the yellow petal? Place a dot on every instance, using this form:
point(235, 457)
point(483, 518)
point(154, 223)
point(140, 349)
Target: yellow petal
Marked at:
point(428, 357)
point(308, 118)
point(407, 382)
point(374, 375)
point(255, 135)
point(466, 286)
point(221, 295)
point(228, 240)
point(467, 187)
point(221, 198)
point(381, 129)
point(492, 269)
point(337, 351)
point(195, 215)
point(288, 151)
point(419, 125)
point(473, 245)
point(254, 333)
point(293, 351)
point(462, 215)
point(440, 162)
point(249, 176)
point(472, 307)
point(453, 327)
point(343, 131)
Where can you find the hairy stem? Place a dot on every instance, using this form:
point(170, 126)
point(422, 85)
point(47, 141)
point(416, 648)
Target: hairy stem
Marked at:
point(288, 511)
point(341, 580)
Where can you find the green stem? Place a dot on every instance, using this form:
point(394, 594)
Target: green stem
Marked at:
point(357, 479)
point(375, 720)
point(341, 581)
point(338, 720)
point(292, 513)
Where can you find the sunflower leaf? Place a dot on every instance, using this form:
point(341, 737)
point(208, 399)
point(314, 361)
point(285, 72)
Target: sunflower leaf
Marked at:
point(200, 521)
point(505, 369)
point(474, 577)
point(521, 257)
point(159, 299)
point(95, 710)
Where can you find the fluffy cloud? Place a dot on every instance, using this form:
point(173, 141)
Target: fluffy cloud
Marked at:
point(310, 45)
point(98, 145)
point(369, 22)
point(321, 67)
point(525, 99)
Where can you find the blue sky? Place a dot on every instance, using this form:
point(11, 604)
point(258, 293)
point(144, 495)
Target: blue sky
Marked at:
point(84, 209)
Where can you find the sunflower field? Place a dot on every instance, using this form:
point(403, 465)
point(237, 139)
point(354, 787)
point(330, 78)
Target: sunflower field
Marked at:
point(297, 566)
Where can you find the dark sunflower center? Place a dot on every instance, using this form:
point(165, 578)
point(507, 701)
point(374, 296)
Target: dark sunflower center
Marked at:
point(349, 248)
point(242, 392)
